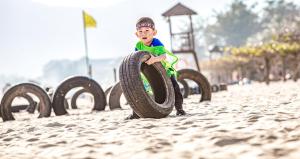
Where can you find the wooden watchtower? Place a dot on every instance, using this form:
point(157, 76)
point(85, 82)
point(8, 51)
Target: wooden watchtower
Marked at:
point(188, 46)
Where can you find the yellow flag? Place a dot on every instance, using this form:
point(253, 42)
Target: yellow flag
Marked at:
point(89, 21)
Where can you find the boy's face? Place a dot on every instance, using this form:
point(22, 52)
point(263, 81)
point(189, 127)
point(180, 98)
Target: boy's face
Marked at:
point(146, 34)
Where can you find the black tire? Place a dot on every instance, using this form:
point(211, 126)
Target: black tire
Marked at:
point(66, 104)
point(132, 85)
point(32, 104)
point(30, 108)
point(114, 97)
point(78, 81)
point(108, 90)
point(75, 97)
point(200, 79)
point(19, 90)
point(215, 88)
point(18, 108)
point(223, 87)
point(186, 89)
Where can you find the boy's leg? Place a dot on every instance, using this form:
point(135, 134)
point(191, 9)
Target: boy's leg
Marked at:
point(178, 97)
point(178, 101)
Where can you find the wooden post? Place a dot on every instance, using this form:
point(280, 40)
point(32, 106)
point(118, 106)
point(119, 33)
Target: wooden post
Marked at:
point(193, 44)
point(88, 66)
point(171, 34)
point(115, 75)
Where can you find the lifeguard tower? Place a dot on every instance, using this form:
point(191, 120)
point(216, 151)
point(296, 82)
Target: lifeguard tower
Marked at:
point(186, 38)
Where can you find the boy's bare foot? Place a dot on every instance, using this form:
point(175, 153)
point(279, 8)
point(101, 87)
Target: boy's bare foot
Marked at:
point(180, 112)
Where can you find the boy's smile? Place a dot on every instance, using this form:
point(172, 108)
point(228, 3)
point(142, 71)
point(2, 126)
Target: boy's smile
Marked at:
point(146, 34)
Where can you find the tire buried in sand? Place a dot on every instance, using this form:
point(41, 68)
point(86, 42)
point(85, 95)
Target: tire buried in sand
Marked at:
point(199, 79)
point(186, 89)
point(143, 104)
point(107, 90)
point(223, 87)
point(215, 88)
point(30, 108)
point(19, 90)
point(86, 83)
point(18, 108)
point(75, 97)
point(32, 104)
point(115, 96)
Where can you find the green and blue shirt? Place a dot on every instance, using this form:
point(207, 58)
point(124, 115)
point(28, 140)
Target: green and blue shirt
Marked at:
point(156, 48)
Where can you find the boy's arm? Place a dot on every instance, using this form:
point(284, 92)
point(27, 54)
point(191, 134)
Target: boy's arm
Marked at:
point(154, 59)
point(159, 50)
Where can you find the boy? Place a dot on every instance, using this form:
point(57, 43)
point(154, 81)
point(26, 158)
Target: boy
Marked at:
point(145, 32)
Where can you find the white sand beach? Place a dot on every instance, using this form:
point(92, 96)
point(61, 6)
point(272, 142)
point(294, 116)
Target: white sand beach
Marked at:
point(245, 122)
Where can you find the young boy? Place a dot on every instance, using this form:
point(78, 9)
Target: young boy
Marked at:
point(145, 32)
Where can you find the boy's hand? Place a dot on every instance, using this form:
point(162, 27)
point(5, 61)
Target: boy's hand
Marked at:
point(154, 59)
point(151, 60)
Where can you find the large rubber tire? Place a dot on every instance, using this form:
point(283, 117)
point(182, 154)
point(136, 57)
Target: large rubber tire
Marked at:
point(114, 97)
point(18, 108)
point(198, 78)
point(108, 90)
point(32, 104)
point(30, 108)
point(133, 88)
point(87, 83)
point(186, 89)
point(19, 90)
point(75, 97)
point(66, 104)
point(215, 88)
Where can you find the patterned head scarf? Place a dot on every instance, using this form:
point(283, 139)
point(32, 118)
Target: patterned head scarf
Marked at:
point(145, 22)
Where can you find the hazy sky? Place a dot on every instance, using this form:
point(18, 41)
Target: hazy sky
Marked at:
point(33, 32)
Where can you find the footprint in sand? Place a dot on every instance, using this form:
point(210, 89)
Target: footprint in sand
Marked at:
point(32, 139)
point(51, 136)
point(254, 118)
point(188, 123)
point(8, 139)
point(70, 125)
point(279, 120)
point(279, 152)
point(211, 126)
point(222, 112)
point(47, 145)
point(55, 124)
point(31, 129)
point(149, 126)
point(161, 145)
point(231, 141)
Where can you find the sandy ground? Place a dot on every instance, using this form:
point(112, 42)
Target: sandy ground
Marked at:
point(250, 121)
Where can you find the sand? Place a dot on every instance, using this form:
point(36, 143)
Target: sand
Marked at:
point(250, 121)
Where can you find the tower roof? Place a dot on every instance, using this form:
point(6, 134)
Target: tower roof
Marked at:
point(178, 9)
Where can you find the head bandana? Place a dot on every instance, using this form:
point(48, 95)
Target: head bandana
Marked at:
point(138, 26)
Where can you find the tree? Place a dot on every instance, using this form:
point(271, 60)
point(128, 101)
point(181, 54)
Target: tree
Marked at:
point(277, 16)
point(234, 26)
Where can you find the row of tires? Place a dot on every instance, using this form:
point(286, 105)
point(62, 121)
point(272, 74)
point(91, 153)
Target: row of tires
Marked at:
point(220, 87)
point(157, 105)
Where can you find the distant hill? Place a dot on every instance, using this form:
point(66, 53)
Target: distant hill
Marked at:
point(102, 70)
point(55, 71)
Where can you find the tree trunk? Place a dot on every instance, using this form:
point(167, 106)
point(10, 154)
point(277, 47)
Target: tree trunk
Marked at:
point(268, 68)
point(296, 68)
point(283, 59)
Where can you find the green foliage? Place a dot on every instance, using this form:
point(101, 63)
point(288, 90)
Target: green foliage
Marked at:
point(234, 26)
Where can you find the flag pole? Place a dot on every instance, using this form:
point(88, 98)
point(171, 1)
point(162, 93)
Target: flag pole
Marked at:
point(89, 67)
